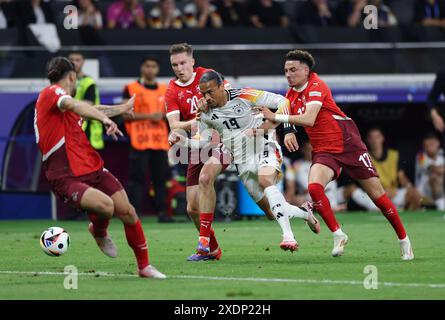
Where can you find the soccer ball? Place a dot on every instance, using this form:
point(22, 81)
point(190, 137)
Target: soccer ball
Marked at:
point(55, 241)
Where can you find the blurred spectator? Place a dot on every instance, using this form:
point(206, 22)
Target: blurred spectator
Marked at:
point(386, 18)
point(393, 178)
point(267, 13)
point(315, 13)
point(202, 14)
point(34, 12)
point(430, 167)
point(86, 90)
point(125, 14)
point(297, 179)
point(349, 13)
point(232, 12)
point(437, 107)
point(430, 12)
point(148, 132)
point(165, 15)
point(7, 14)
point(89, 14)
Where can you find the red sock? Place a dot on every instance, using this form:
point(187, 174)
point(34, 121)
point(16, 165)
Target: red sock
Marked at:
point(205, 228)
point(99, 225)
point(322, 206)
point(136, 240)
point(389, 210)
point(214, 245)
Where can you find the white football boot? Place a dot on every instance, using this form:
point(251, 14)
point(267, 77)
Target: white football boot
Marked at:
point(104, 243)
point(406, 249)
point(151, 272)
point(340, 242)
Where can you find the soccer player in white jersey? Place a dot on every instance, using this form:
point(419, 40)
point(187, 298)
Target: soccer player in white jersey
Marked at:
point(257, 158)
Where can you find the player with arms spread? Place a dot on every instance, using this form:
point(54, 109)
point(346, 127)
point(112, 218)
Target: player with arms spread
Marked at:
point(336, 145)
point(181, 100)
point(75, 170)
point(257, 158)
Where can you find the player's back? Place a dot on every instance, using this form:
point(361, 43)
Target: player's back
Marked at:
point(56, 129)
point(48, 120)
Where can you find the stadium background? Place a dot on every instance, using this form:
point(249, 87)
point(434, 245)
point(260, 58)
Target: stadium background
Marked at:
point(379, 77)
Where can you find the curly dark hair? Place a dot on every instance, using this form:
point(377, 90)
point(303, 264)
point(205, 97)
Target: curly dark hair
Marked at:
point(57, 69)
point(302, 56)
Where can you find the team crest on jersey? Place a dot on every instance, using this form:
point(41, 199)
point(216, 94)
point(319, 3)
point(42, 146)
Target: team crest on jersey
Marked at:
point(59, 91)
point(238, 109)
point(181, 95)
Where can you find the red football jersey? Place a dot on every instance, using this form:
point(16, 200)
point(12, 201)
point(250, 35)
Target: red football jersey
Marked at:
point(55, 129)
point(182, 98)
point(326, 135)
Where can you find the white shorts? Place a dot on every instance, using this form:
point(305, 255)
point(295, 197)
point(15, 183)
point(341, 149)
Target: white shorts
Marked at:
point(270, 156)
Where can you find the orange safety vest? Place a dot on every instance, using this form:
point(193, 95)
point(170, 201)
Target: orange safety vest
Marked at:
point(147, 134)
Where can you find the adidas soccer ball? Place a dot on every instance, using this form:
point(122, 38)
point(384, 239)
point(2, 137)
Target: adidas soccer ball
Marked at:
point(55, 241)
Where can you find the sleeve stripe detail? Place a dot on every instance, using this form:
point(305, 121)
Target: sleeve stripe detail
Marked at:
point(172, 113)
point(314, 102)
point(59, 101)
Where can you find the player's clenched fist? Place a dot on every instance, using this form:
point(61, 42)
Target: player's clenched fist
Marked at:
point(202, 107)
point(266, 113)
point(175, 137)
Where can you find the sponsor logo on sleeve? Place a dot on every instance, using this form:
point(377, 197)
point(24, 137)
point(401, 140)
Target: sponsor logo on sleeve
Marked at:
point(314, 94)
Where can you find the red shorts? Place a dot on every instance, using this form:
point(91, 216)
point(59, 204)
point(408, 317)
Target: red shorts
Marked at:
point(70, 188)
point(194, 169)
point(357, 164)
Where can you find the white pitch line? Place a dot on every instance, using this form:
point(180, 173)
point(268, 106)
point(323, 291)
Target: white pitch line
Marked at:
point(311, 281)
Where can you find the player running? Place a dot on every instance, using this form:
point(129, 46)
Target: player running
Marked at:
point(337, 145)
point(75, 170)
point(181, 100)
point(257, 158)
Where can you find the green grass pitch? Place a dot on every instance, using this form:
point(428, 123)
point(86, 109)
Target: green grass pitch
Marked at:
point(252, 267)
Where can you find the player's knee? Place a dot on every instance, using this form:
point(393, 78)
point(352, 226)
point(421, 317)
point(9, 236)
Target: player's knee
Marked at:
point(127, 213)
point(205, 180)
point(265, 181)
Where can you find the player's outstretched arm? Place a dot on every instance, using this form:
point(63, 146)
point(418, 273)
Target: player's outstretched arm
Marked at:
point(85, 110)
point(307, 119)
point(125, 109)
point(175, 123)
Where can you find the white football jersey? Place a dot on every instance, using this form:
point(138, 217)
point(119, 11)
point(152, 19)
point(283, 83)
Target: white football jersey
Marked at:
point(234, 118)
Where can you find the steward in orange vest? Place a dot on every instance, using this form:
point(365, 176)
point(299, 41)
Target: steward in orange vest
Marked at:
point(148, 132)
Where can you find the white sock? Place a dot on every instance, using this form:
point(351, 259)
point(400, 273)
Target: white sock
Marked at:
point(277, 206)
point(294, 211)
point(362, 199)
point(440, 204)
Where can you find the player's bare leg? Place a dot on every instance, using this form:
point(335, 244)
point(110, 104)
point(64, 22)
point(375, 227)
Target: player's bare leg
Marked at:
point(319, 176)
point(135, 235)
point(100, 209)
point(375, 190)
point(208, 248)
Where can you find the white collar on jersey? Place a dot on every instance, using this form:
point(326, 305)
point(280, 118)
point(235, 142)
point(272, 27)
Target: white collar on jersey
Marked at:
point(301, 88)
point(182, 84)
